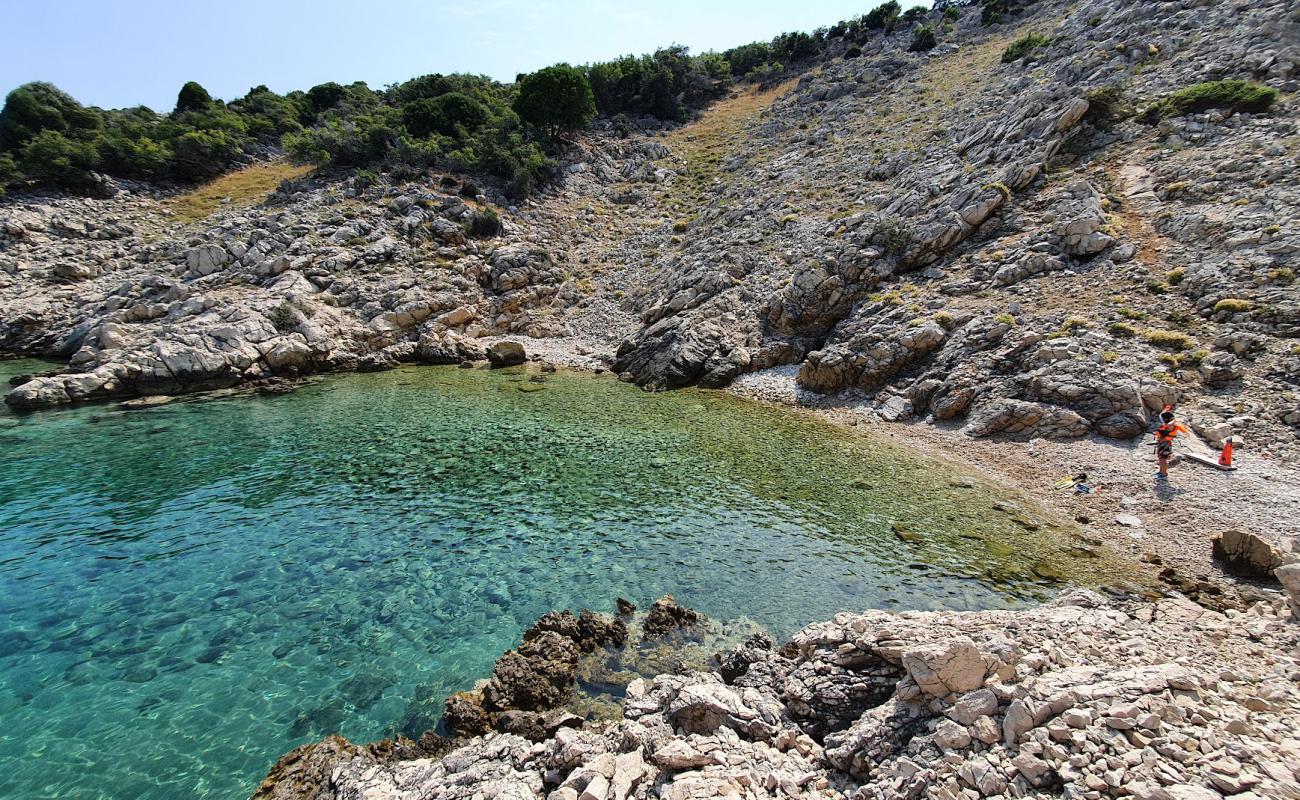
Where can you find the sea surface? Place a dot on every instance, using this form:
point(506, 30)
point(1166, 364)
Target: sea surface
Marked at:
point(187, 591)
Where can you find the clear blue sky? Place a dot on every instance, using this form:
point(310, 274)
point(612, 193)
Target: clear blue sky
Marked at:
point(117, 53)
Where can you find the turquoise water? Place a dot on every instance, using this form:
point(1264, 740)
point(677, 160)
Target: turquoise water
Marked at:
point(189, 590)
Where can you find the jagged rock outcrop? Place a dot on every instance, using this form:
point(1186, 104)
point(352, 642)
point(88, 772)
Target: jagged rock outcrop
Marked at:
point(1076, 697)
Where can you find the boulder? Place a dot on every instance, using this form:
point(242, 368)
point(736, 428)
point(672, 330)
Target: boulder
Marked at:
point(506, 354)
point(946, 668)
point(1248, 554)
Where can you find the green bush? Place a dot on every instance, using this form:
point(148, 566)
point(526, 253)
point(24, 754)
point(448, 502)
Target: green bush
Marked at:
point(449, 114)
point(200, 155)
point(485, 224)
point(1233, 305)
point(556, 99)
point(36, 107)
point(1171, 340)
point(913, 15)
point(853, 51)
point(325, 96)
point(883, 17)
point(283, 317)
point(470, 190)
point(52, 158)
point(364, 179)
point(1233, 95)
point(923, 39)
point(1023, 47)
point(192, 97)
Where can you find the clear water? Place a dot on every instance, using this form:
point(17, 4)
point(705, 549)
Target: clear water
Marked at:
point(188, 591)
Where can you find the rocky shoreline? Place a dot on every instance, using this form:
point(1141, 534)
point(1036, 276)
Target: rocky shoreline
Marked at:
point(1082, 697)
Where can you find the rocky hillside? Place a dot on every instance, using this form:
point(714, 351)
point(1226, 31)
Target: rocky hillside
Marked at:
point(1048, 226)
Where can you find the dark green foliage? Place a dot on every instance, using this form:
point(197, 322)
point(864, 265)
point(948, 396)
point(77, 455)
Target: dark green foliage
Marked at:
point(766, 73)
point(923, 39)
point(52, 158)
point(484, 224)
point(1233, 95)
point(853, 51)
point(8, 171)
point(556, 99)
point(354, 141)
point(952, 13)
point(447, 114)
point(995, 11)
point(364, 179)
point(469, 189)
point(203, 154)
point(748, 56)
point(883, 17)
point(912, 16)
point(325, 96)
point(36, 107)
point(665, 84)
point(192, 97)
point(795, 46)
point(269, 115)
point(1024, 47)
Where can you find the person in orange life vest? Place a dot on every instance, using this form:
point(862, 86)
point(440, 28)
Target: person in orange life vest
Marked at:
point(1165, 440)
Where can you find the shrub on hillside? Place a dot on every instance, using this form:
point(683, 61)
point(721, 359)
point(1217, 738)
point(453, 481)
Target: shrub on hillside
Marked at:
point(1233, 95)
point(449, 114)
point(484, 224)
point(325, 96)
point(52, 158)
point(556, 99)
point(200, 155)
point(1024, 47)
point(883, 17)
point(192, 97)
point(35, 107)
point(923, 39)
point(913, 15)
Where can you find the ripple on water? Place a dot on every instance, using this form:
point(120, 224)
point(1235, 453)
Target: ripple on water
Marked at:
point(190, 590)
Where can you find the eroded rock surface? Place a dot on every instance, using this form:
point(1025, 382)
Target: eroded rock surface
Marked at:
point(1080, 697)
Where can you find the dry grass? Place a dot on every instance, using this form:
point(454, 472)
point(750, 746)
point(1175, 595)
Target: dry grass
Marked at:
point(239, 189)
point(705, 143)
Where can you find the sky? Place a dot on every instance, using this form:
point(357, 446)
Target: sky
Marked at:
point(121, 53)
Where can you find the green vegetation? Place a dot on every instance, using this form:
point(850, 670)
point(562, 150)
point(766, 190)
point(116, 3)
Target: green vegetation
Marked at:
point(1233, 305)
point(1233, 95)
point(457, 123)
point(1023, 47)
point(1175, 276)
point(1283, 275)
point(1005, 319)
point(283, 317)
point(1106, 105)
point(484, 224)
point(1122, 330)
point(995, 11)
point(1170, 340)
point(556, 99)
point(1130, 313)
point(923, 39)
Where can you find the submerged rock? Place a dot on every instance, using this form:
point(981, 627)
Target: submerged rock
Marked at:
point(666, 616)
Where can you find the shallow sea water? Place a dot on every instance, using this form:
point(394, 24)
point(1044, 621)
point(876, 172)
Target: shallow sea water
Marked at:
point(188, 591)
